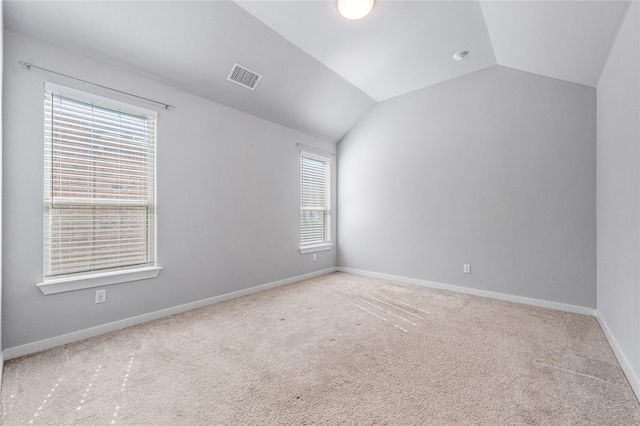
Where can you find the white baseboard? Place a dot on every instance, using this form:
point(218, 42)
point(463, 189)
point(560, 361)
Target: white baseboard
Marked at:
point(634, 381)
point(483, 293)
point(41, 345)
point(1, 367)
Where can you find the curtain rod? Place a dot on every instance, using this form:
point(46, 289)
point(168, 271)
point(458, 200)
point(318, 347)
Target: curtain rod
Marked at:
point(317, 149)
point(28, 66)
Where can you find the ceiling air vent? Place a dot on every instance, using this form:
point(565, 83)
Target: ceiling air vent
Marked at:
point(244, 77)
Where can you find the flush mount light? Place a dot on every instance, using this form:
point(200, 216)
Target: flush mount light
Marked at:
point(460, 55)
point(355, 9)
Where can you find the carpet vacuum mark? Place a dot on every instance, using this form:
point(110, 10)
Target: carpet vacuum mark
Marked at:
point(339, 349)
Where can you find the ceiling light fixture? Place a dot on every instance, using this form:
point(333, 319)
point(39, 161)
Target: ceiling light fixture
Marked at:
point(355, 9)
point(460, 55)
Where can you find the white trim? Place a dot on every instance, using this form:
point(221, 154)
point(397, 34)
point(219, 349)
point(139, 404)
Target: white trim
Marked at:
point(41, 345)
point(61, 285)
point(1, 367)
point(91, 279)
point(483, 293)
point(632, 377)
point(315, 248)
point(98, 100)
point(319, 157)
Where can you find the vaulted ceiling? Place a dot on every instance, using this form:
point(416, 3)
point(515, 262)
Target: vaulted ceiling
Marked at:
point(321, 72)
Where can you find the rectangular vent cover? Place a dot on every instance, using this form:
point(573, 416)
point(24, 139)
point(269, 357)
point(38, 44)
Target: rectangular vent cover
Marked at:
point(244, 77)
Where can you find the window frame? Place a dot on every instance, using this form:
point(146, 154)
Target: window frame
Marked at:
point(327, 243)
point(113, 275)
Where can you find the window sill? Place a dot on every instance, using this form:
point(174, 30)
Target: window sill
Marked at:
point(315, 248)
point(61, 285)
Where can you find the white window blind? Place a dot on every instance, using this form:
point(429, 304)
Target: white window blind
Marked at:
point(315, 211)
point(99, 186)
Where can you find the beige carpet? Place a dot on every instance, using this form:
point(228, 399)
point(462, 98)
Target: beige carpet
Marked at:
point(338, 349)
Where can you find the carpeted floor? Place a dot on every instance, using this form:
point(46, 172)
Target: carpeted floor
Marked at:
point(337, 350)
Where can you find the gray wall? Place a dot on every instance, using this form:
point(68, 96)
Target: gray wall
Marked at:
point(495, 169)
point(228, 200)
point(1, 121)
point(618, 192)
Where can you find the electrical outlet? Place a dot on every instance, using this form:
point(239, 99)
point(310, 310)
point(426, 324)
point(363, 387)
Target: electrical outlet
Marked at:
point(314, 257)
point(467, 268)
point(101, 295)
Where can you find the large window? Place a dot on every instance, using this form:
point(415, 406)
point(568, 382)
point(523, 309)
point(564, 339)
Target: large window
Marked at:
point(100, 194)
point(315, 203)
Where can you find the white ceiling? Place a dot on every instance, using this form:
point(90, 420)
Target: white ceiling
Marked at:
point(321, 71)
point(401, 46)
point(568, 40)
point(192, 45)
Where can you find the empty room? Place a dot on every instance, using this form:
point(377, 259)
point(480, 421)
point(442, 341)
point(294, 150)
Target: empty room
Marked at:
point(342, 212)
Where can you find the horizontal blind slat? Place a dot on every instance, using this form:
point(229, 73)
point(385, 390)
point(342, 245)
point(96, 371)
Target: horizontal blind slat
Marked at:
point(314, 200)
point(99, 187)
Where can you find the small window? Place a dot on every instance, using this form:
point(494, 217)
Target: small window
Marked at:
point(315, 203)
point(100, 191)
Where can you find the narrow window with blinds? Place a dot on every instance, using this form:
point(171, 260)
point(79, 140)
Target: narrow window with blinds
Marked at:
point(100, 192)
point(315, 203)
